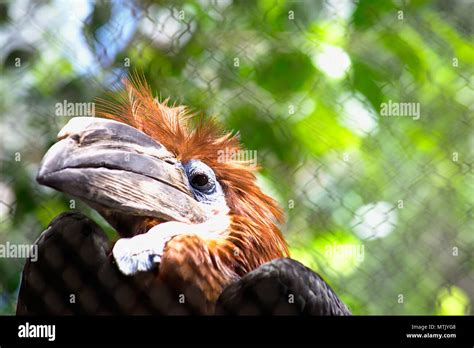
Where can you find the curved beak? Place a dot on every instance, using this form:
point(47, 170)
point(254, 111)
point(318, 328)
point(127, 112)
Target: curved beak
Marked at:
point(121, 172)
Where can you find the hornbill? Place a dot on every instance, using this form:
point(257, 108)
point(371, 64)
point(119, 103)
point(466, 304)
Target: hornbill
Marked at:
point(197, 234)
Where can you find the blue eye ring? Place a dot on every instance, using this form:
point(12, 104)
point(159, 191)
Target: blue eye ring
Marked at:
point(201, 178)
point(203, 182)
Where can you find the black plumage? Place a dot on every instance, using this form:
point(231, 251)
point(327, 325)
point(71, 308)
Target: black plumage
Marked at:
point(74, 274)
point(281, 287)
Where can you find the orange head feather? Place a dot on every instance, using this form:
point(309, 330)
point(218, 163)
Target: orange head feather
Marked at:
point(254, 237)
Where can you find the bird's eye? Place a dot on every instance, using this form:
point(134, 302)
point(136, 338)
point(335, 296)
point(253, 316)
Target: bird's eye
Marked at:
point(203, 181)
point(200, 181)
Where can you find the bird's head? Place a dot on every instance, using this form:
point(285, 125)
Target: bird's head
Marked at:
point(143, 163)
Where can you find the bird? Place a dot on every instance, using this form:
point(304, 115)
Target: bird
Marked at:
point(196, 234)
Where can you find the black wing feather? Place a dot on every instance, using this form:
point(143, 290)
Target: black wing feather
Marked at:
point(73, 260)
point(280, 287)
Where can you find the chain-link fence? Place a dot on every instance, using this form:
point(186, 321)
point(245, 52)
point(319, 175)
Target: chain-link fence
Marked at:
point(360, 113)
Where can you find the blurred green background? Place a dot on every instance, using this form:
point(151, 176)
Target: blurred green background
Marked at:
point(381, 207)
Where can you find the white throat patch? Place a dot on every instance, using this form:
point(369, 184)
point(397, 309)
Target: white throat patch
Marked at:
point(140, 253)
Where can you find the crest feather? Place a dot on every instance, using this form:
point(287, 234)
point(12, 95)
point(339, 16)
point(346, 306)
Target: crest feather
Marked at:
point(189, 136)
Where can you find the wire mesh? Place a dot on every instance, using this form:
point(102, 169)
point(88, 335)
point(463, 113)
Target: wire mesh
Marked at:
point(360, 114)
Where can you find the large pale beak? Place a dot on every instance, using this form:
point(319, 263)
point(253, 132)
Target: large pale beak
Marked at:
point(121, 172)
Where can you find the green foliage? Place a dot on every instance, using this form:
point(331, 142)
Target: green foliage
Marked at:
point(263, 69)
